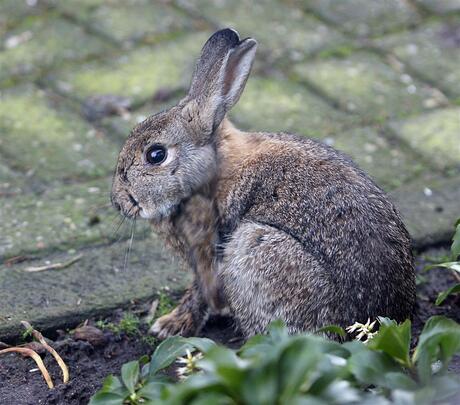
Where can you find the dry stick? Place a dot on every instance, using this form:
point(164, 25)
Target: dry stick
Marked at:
point(456, 275)
point(54, 266)
point(36, 357)
point(37, 335)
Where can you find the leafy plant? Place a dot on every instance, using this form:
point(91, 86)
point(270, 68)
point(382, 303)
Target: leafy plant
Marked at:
point(129, 325)
point(452, 265)
point(277, 368)
point(165, 304)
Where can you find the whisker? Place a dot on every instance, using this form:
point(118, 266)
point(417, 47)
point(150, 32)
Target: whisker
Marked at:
point(130, 245)
point(120, 223)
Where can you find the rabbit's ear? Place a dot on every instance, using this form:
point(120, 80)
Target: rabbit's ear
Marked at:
point(220, 76)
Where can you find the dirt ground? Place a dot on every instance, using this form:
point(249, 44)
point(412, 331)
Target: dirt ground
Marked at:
point(89, 364)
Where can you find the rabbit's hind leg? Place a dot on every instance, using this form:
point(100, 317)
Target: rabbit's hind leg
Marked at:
point(267, 275)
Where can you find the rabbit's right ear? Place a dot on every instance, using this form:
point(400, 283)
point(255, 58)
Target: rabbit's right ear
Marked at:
point(219, 78)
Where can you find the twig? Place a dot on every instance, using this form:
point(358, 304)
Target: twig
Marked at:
point(54, 266)
point(37, 335)
point(456, 275)
point(152, 311)
point(30, 353)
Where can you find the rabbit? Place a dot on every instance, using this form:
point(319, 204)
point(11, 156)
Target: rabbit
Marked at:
point(273, 225)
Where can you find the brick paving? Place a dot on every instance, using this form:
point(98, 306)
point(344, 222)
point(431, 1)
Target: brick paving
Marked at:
point(379, 80)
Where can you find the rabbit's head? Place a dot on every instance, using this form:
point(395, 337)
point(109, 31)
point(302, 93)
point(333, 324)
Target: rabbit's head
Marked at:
point(171, 155)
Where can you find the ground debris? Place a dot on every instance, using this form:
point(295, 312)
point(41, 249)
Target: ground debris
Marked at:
point(53, 266)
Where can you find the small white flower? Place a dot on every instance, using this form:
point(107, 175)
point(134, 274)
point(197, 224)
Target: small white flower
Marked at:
point(363, 329)
point(189, 361)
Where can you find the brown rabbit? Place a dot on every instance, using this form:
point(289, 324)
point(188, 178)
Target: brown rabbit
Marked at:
point(274, 226)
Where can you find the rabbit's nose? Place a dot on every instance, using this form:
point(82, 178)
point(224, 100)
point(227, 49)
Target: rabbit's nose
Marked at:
point(132, 200)
point(116, 205)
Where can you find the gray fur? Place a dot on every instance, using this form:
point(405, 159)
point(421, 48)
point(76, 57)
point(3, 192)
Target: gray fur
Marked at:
point(273, 225)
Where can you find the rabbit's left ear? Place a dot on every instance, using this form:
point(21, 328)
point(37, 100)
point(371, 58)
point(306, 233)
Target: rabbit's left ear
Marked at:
point(219, 78)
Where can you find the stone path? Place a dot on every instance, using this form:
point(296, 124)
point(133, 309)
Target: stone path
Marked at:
point(379, 80)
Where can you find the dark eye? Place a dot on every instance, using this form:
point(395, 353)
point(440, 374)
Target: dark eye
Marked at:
point(156, 154)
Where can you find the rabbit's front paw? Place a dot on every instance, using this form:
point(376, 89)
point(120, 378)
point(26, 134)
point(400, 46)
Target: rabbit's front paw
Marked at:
point(172, 324)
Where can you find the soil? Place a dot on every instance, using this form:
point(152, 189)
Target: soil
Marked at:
point(89, 365)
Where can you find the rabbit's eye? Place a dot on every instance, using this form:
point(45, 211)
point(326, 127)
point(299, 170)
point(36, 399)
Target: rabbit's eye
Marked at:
point(156, 154)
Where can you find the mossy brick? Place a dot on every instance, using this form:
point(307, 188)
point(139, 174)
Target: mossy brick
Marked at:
point(364, 84)
point(137, 74)
point(11, 182)
point(269, 104)
point(119, 127)
point(429, 209)
point(80, 8)
point(433, 50)
point(39, 137)
point(11, 11)
point(440, 6)
point(61, 218)
point(43, 41)
point(389, 163)
point(283, 29)
point(365, 17)
point(128, 22)
point(93, 286)
point(435, 135)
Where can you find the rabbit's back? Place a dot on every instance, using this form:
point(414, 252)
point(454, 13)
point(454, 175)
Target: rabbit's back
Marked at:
point(328, 206)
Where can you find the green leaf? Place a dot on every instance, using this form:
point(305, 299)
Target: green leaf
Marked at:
point(277, 331)
point(192, 387)
point(224, 364)
point(167, 352)
point(439, 340)
point(256, 346)
point(399, 380)
point(455, 248)
point(444, 294)
point(130, 375)
point(394, 340)
point(259, 385)
point(446, 386)
point(172, 348)
point(424, 396)
point(332, 329)
point(152, 389)
point(212, 398)
point(202, 344)
point(297, 363)
point(455, 266)
point(113, 385)
point(105, 398)
point(370, 367)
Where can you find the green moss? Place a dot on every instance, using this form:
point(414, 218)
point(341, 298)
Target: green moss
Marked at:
point(165, 304)
point(431, 51)
point(340, 51)
point(441, 6)
point(59, 218)
point(143, 20)
point(128, 325)
point(363, 84)
point(137, 74)
point(60, 145)
point(282, 105)
point(435, 135)
point(44, 41)
point(279, 28)
point(364, 17)
point(389, 163)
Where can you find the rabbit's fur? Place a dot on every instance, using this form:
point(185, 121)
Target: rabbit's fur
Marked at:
point(273, 225)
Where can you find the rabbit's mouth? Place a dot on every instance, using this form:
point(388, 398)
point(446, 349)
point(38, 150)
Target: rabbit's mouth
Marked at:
point(157, 214)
